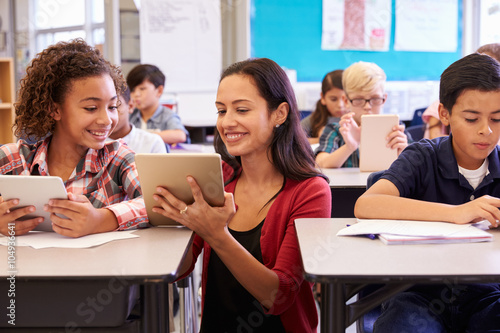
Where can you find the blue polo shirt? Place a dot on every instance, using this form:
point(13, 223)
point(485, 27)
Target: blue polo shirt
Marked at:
point(427, 170)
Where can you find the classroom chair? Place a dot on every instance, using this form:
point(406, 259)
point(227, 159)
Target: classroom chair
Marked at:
point(188, 305)
point(304, 114)
point(171, 101)
point(417, 117)
point(417, 131)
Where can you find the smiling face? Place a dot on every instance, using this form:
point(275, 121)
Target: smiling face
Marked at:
point(475, 124)
point(244, 122)
point(367, 108)
point(334, 102)
point(88, 113)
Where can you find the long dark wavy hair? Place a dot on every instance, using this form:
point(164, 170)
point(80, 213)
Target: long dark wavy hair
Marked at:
point(48, 80)
point(290, 151)
point(319, 117)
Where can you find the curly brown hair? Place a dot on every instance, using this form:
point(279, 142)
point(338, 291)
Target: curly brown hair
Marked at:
point(48, 80)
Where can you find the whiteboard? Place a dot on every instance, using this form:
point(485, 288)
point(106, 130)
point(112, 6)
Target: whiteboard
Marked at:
point(183, 38)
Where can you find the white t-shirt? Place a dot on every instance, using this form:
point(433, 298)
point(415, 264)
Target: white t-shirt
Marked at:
point(144, 142)
point(475, 177)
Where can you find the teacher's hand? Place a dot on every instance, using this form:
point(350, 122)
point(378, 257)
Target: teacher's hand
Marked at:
point(210, 223)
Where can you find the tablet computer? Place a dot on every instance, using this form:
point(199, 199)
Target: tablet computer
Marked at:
point(374, 155)
point(170, 171)
point(33, 190)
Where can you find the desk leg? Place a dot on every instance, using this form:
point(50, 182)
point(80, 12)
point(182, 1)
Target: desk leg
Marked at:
point(332, 308)
point(154, 310)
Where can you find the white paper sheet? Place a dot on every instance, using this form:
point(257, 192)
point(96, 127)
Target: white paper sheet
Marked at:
point(426, 25)
point(41, 240)
point(183, 38)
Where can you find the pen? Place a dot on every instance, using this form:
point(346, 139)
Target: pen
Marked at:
point(371, 236)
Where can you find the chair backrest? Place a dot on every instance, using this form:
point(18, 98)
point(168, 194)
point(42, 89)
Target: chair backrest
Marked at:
point(373, 177)
point(417, 132)
point(417, 117)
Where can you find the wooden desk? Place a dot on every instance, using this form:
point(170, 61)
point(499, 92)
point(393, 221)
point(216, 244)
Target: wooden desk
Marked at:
point(152, 260)
point(346, 184)
point(344, 265)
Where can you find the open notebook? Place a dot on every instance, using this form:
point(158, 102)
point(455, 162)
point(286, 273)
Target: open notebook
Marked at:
point(418, 232)
point(471, 234)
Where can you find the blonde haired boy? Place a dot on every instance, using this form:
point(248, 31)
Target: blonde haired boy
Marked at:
point(364, 87)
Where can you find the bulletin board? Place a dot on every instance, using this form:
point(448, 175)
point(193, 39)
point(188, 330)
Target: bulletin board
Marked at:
point(290, 32)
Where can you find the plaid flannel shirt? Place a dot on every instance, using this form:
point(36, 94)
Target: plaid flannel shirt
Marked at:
point(107, 177)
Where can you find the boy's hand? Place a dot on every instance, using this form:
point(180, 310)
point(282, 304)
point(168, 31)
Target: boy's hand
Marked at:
point(9, 214)
point(397, 139)
point(483, 208)
point(350, 131)
point(81, 217)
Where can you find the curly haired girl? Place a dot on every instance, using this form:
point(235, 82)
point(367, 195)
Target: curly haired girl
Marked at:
point(68, 101)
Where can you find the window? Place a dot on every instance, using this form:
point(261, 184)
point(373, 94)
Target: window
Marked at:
point(489, 19)
point(62, 20)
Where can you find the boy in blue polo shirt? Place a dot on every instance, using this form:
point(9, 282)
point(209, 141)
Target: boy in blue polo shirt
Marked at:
point(454, 179)
point(146, 83)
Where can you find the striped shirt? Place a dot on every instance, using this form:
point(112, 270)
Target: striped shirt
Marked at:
point(107, 177)
point(331, 140)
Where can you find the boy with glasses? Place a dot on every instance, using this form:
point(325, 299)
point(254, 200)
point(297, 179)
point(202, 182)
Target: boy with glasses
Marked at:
point(364, 85)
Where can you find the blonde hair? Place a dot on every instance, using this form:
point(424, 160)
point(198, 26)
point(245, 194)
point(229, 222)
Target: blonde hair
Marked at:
point(493, 50)
point(363, 77)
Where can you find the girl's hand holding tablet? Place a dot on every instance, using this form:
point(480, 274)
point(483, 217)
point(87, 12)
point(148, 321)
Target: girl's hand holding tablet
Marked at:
point(76, 217)
point(8, 215)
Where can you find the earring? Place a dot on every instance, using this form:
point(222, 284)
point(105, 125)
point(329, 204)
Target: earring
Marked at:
point(277, 125)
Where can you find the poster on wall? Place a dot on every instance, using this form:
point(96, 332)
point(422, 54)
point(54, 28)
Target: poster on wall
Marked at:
point(183, 38)
point(426, 25)
point(363, 25)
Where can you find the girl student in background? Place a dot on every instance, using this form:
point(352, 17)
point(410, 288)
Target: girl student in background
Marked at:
point(69, 97)
point(251, 262)
point(329, 108)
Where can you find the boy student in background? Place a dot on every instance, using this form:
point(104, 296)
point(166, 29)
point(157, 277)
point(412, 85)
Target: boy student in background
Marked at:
point(329, 108)
point(76, 101)
point(251, 261)
point(146, 83)
point(139, 140)
point(454, 179)
point(364, 87)
point(434, 127)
